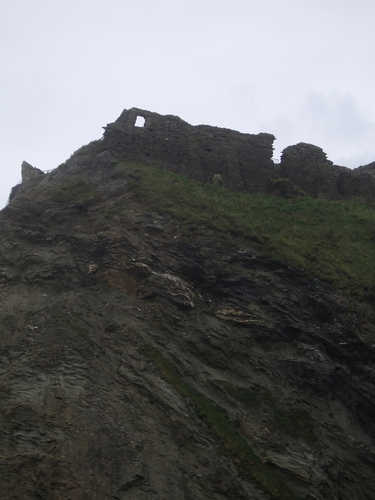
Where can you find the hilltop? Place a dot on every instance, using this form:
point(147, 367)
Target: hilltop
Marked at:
point(242, 162)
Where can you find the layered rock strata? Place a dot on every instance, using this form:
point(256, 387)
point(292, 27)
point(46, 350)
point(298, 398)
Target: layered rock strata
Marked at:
point(283, 362)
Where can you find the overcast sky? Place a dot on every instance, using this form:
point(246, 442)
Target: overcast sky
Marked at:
point(302, 70)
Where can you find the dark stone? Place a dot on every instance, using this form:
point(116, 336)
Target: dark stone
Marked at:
point(85, 412)
point(213, 155)
point(357, 183)
point(29, 172)
point(307, 167)
point(202, 152)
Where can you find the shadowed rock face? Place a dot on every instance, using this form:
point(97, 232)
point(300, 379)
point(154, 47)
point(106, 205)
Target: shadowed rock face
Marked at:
point(85, 413)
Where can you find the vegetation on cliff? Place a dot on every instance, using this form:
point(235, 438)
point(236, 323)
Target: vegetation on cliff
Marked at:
point(159, 339)
point(330, 240)
point(234, 444)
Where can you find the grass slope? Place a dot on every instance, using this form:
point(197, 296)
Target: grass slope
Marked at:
point(331, 240)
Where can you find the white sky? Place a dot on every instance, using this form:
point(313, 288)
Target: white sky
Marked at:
point(302, 70)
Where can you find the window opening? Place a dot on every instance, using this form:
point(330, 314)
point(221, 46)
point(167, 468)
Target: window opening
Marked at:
point(139, 122)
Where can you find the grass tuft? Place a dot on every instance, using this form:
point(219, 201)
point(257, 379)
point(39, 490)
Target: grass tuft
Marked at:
point(295, 422)
point(73, 191)
point(233, 443)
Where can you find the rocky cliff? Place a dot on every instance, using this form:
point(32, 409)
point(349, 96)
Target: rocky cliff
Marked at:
point(138, 362)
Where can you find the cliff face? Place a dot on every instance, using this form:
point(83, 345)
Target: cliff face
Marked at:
point(137, 363)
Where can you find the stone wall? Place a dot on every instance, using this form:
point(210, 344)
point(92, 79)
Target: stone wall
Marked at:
point(242, 160)
point(358, 183)
point(309, 172)
point(239, 161)
point(308, 168)
point(29, 172)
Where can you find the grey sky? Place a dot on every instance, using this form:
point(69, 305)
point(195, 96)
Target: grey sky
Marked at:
point(302, 70)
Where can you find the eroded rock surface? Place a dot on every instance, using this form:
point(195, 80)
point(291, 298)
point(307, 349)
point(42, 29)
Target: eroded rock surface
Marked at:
point(85, 414)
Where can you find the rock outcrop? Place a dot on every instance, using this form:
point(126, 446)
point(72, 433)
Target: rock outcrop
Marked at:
point(29, 174)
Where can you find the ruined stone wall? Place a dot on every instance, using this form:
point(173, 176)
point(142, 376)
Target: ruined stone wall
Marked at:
point(358, 183)
point(307, 170)
point(239, 161)
point(29, 172)
point(242, 160)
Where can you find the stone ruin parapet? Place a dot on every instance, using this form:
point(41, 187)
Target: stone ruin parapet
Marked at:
point(29, 172)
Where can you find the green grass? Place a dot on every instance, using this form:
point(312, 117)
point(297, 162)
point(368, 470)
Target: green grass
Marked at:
point(295, 422)
point(73, 191)
point(233, 443)
point(333, 241)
